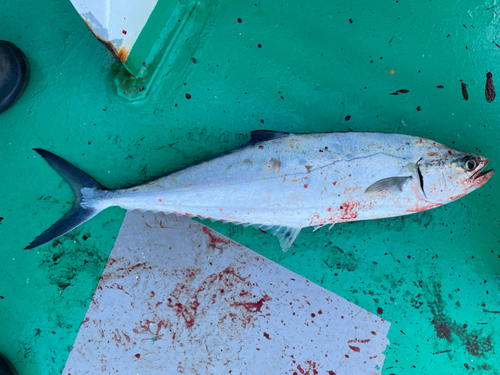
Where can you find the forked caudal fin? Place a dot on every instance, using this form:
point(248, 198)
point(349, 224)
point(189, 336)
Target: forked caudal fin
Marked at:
point(77, 215)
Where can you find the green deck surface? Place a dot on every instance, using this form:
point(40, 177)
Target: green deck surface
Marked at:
point(294, 66)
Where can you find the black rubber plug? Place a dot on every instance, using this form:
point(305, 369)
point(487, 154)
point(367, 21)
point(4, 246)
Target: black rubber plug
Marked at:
point(14, 74)
point(6, 367)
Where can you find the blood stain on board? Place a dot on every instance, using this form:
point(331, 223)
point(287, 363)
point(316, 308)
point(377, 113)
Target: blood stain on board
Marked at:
point(239, 20)
point(253, 306)
point(465, 94)
point(418, 109)
point(1, 218)
point(403, 91)
point(347, 118)
point(440, 86)
point(307, 368)
point(188, 96)
point(354, 348)
point(490, 88)
point(379, 310)
point(193, 298)
point(214, 240)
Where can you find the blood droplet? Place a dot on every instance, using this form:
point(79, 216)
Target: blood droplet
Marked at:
point(464, 91)
point(490, 88)
point(124, 32)
point(418, 108)
point(239, 20)
point(440, 87)
point(347, 118)
point(188, 96)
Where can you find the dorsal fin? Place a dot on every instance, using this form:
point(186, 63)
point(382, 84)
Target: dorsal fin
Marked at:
point(265, 135)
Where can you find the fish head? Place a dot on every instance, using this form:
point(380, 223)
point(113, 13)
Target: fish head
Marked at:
point(449, 174)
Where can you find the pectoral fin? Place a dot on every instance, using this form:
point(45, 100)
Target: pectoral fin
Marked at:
point(393, 184)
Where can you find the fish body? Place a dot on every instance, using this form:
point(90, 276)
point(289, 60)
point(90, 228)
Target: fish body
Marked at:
point(283, 182)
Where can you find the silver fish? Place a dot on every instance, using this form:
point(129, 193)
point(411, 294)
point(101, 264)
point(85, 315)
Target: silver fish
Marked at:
point(283, 182)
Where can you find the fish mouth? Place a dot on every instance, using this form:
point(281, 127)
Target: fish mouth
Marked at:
point(479, 175)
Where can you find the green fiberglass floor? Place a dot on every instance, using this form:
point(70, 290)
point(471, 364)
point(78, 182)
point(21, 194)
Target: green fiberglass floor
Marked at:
point(294, 66)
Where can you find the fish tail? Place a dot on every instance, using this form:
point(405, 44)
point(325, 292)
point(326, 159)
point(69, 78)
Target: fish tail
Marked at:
point(86, 205)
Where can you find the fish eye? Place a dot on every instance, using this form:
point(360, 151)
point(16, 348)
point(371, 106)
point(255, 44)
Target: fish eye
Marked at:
point(470, 164)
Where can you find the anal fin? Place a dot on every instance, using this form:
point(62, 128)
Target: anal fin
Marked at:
point(286, 235)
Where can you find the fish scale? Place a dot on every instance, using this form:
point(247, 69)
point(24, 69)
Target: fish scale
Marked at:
point(283, 182)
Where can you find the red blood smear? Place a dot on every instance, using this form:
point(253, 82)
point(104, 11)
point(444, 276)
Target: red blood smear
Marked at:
point(440, 87)
point(464, 91)
point(137, 355)
point(403, 91)
point(379, 310)
point(260, 45)
point(188, 96)
point(331, 373)
point(347, 118)
point(305, 186)
point(466, 366)
point(253, 306)
point(124, 32)
point(261, 121)
point(1, 218)
point(350, 20)
point(418, 108)
point(354, 348)
point(490, 89)
point(239, 20)
point(266, 335)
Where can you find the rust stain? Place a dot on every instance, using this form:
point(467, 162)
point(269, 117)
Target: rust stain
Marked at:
point(121, 54)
